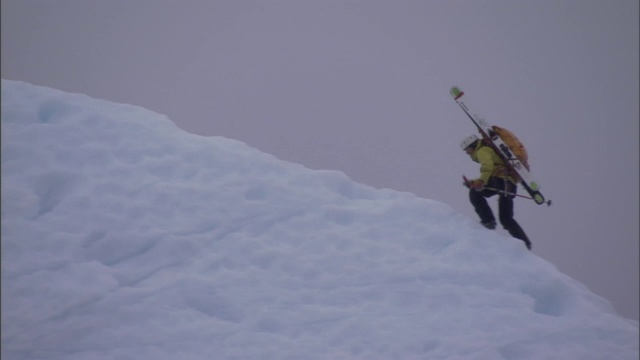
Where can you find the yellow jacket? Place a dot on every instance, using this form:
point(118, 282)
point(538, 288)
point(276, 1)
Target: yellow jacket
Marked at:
point(490, 163)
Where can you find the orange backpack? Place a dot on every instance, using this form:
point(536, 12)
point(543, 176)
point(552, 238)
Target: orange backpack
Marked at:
point(514, 145)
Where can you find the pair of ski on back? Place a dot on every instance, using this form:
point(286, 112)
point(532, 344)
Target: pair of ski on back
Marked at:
point(506, 145)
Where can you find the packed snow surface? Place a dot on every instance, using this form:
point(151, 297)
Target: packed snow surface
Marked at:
point(124, 237)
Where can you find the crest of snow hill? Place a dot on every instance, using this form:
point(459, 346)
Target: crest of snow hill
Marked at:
point(125, 237)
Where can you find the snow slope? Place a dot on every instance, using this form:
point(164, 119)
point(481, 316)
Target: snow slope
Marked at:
point(124, 237)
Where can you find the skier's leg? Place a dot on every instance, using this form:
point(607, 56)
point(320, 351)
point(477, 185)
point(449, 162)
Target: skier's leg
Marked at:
point(505, 209)
point(482, 208)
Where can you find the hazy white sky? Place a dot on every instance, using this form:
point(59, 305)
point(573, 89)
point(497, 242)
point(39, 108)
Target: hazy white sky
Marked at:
point(362, 87)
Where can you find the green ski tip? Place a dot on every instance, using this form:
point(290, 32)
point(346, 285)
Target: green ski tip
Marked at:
point(456, 92)
point(539, 199)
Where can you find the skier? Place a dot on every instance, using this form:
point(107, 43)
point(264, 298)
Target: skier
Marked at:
point(494, 175)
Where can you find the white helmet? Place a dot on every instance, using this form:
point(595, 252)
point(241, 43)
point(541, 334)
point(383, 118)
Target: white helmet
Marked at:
point(468, 141)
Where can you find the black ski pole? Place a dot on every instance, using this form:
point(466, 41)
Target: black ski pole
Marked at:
point(467, 182)
point(518, 195)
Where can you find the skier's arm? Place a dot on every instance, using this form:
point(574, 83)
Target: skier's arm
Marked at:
point(486, 163)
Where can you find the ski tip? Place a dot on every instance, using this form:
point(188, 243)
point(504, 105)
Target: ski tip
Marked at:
point(539, 199)
point(456, 92)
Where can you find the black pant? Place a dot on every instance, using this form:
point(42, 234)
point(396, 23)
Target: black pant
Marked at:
point(505, 206)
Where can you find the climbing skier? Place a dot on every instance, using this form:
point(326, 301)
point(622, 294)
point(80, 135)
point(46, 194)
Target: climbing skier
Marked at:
point(494, 180)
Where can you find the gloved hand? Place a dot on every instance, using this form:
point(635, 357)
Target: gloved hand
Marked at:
point(476, 184)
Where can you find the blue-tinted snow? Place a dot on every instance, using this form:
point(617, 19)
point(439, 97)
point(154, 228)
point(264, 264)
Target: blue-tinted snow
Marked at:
point(124, 237)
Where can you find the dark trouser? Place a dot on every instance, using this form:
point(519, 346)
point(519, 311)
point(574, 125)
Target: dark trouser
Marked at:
point(505, 207)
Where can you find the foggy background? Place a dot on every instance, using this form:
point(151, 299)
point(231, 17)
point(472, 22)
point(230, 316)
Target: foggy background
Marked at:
point(362, 87)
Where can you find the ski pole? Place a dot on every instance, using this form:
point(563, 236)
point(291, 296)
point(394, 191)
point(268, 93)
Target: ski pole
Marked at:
point(466, 183)
point(513, 194)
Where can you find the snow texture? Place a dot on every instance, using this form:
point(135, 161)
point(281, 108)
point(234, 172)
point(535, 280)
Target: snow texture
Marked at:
point(124, 237)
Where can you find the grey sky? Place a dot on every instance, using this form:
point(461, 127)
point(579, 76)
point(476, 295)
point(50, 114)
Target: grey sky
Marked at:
point(362, 87)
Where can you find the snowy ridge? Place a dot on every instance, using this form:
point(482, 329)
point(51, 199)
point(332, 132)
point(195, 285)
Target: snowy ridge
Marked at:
point(126, 238)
